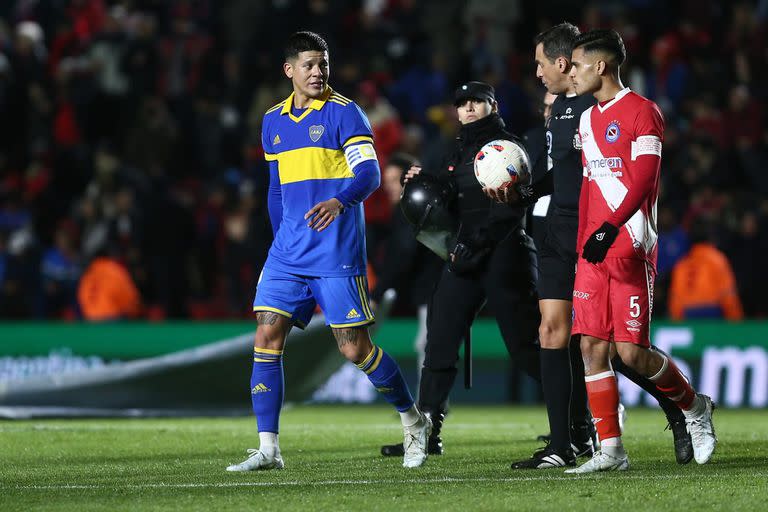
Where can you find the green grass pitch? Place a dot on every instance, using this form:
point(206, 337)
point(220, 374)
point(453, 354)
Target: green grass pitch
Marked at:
point(333, 463)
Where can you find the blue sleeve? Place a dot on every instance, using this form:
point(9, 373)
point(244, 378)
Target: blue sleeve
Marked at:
point(274, 198)
point(367, 179)
point(355, 131)
point(353, 123)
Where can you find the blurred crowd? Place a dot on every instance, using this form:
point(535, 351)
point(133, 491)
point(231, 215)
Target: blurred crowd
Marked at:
point(130, 132)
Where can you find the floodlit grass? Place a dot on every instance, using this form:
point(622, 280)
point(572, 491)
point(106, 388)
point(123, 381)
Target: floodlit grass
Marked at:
point(333, 463)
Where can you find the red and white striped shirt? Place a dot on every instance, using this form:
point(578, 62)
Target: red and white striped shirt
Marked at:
point(621, 154)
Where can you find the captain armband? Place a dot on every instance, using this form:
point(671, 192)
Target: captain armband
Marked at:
point(646, 145)
point(359, 153)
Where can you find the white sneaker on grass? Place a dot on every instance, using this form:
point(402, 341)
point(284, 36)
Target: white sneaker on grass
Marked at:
point(702, 432)
point(415, 442)
point(258, 460)
point(601, 462)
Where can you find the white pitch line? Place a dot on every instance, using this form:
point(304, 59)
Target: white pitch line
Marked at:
point(292, 483)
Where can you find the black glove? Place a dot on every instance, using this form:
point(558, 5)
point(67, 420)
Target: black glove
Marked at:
point(598, 243)
point(466, 259)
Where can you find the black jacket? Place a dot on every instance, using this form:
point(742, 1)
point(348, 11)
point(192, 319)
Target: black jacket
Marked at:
point(408, 266)
point(481, 217)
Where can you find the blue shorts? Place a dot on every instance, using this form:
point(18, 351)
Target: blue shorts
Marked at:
point(344, 300)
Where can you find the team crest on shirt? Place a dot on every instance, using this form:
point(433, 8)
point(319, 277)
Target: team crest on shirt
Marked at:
point(316, 131)
point(613, 132)
point(577, 141)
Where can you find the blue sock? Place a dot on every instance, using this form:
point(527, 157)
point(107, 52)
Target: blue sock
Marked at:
point(385, 376)
point(267, 388)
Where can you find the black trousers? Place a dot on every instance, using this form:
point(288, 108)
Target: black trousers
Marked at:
point(508, 284)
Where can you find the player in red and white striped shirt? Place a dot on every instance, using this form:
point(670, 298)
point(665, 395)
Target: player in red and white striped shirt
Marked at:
point(621, 140)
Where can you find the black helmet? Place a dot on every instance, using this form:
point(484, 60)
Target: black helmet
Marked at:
point(427, 204)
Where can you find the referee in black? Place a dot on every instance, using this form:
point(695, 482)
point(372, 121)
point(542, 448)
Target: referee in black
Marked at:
point(563, 369)
point(494, 260)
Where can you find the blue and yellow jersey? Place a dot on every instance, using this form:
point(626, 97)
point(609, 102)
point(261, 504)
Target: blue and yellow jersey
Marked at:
point(316, 154)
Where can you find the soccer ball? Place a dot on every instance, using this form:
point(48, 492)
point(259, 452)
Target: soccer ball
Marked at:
point(502, 163)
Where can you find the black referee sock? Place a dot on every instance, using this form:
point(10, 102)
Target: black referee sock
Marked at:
point(672, 411)
point(556, 383)
point(580, 414)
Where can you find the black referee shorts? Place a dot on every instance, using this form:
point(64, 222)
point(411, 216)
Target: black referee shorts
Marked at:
point(557, 255)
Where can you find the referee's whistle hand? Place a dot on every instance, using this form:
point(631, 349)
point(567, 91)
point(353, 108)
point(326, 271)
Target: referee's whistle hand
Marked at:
point(322, 214)
point(412, 173)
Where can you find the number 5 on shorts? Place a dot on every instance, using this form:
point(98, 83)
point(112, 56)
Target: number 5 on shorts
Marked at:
point(634, 307)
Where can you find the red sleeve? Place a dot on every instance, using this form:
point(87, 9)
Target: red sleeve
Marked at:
point(645, 164)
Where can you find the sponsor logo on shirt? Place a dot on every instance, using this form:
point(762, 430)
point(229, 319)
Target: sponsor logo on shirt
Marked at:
point(613, 132)
point(604, 168)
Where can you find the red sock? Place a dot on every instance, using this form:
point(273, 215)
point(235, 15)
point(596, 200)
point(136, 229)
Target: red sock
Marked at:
point(671, 382)
point(603, 392)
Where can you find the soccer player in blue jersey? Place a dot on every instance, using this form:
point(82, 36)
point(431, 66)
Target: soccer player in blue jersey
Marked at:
point(322, 165)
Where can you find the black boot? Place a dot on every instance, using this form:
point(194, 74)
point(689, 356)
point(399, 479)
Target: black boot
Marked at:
point(434, 444)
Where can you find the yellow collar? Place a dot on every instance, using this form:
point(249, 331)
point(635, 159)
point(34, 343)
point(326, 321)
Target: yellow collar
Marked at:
point(315, 105)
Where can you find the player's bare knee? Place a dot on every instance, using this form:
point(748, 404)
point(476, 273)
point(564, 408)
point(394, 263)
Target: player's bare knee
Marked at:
point(353, 343)
point(272, 331)
point(552, 335)
point(640, 359)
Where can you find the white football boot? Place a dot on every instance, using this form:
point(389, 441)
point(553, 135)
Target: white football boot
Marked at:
point(415, 442)
point(258, 460)
point(601, 462)
point(702, 432)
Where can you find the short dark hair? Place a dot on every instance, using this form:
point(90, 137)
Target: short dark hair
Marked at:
point(603, 40)
point(558, 41)
point(304, 41)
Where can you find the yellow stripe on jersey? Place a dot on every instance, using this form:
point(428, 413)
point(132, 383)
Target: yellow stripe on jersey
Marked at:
point(339, 96)
point(361, 138)
point(269, 157)
point(312, 163)
point(331, 100)
point(275, 107)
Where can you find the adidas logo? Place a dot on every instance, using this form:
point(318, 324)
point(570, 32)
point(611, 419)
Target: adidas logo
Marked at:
point(276, 140)
point(259, 388)
point(353, 314)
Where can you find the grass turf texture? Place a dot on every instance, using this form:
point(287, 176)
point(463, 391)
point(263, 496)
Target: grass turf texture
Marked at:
point(333, 463)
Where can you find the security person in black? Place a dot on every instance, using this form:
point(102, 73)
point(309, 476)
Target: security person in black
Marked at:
point(494, 260)
point(562, 366)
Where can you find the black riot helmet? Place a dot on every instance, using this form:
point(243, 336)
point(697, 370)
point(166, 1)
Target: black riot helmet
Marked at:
point(427, 204)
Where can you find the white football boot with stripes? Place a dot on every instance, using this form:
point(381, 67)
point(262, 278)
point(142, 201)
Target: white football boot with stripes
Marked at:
point(258, 460)
point(601, 461)
point(415, 442)
point(702, 431)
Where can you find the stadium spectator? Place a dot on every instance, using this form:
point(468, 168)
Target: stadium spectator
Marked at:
point(703, 284)
point(107, 292)
point(177, 90)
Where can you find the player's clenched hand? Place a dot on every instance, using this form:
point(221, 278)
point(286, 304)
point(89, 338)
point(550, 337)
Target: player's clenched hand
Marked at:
point(412, 173)
point(598, 243)
point(322, 214)
point(504, 194)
